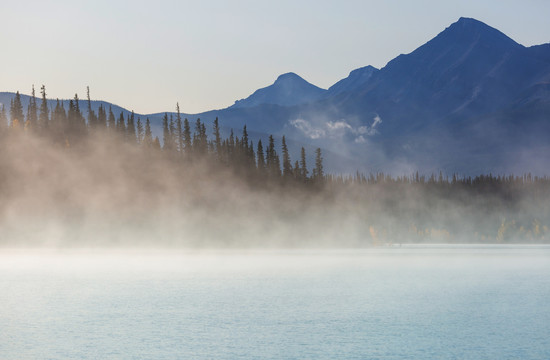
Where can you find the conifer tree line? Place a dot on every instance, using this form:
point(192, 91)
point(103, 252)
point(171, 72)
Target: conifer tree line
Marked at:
point(187, 141)
point(181, 139)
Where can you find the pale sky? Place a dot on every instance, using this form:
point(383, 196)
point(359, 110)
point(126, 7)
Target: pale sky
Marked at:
point(148, 55)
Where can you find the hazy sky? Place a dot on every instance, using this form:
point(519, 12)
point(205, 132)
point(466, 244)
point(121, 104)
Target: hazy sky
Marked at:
point(148, 55)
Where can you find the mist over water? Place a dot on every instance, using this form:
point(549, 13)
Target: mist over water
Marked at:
point(104, 192)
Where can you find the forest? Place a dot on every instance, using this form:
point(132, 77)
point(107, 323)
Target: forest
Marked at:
point(73, 177)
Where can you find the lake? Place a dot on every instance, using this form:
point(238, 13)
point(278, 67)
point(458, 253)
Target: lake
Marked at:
point(413, 302)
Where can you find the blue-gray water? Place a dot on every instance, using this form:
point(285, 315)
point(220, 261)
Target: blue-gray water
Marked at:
point(478, 302)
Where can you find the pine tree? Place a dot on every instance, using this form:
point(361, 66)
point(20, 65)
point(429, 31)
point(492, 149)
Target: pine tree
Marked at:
point(77, 124)
point(217, 141)
point(32, 116)
point(172, 127)
point(16, 112)
point(101, 117)
point(111, 121)
point(199, 139)
point(287, 165)
point(92, 117)
point(44, 117)
point(318, 174)
point(166, 134)
point(179, 129)
point(187, 136)
point(120, 126)
point(272, 160)
point(148, 137)
point(131, 129)
point(139, 132)
point(59, 123)
point(245, 140)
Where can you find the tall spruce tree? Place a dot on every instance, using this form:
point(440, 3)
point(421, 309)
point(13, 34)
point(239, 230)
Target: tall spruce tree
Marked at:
point(179, 129)
point(148, 137)
point(217, 139)
point(272, 160)
point(44, 117)
point(92, 117)
point(32, 113)
point(101, 117)
point(173, 136)
point(120, 126)
point(131, 129)
point(166, 134)
point(287, 165)
point(187, 137)
point(139, 129)
point(111, 121)
point(17, 119)
point(318, 173)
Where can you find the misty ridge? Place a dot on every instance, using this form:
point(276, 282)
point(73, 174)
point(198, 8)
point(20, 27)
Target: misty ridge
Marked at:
point(74, 180)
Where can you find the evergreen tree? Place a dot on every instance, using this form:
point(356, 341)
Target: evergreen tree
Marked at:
point(44, 117)
point(200, 142)
point(187, 136)
point(166, 133)
point(148, 137)
point(217, 139)
point(272, 160)
point(179, 129)
point(59, 123)
point(92, 117)
point(244, 141)
point(120, 126)
point(172, 127)
point(16, 112)
point(131, 129)
point(287, 165)
point(318, 173)
point(101, 117)
point(139, 132)
point(111, 121)
point(32, 116)
point(76, 122)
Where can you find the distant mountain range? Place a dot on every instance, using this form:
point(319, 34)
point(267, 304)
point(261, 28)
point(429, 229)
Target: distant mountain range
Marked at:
point(471, 100)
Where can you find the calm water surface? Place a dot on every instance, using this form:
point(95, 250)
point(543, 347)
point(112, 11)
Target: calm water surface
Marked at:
point(418, 302)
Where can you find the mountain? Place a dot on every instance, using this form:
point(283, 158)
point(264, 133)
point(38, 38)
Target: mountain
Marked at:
point(289, 89)
point(471, 100)
point(356, 78)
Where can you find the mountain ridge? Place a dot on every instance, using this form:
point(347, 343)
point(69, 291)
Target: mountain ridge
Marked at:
point(464, 101)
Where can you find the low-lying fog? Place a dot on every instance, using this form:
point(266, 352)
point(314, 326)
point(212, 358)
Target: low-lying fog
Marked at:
point(105, 193)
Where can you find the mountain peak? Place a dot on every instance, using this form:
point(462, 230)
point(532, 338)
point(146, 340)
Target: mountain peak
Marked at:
point(289, 89)
point(466, 21)
point(289, 76)
point(469, 29)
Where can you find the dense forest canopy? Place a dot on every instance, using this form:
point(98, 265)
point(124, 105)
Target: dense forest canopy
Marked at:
point(76, 177)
